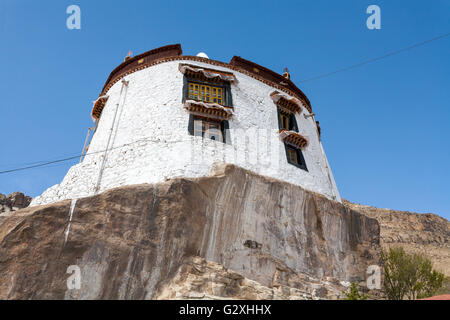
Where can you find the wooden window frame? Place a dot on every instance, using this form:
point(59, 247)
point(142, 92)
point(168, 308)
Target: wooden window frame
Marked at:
point(300, 160)
point(292, 121)
point(224, 86)
point(292, 155)
point(284, 120)
point(199, 91)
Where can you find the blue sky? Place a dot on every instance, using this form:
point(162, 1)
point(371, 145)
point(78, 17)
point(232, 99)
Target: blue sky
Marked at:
point(385, 125)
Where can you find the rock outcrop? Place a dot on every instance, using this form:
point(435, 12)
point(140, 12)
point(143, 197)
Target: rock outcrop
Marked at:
point(202, 279)
point(138, 242)
point(427, 234)
point(13, 202)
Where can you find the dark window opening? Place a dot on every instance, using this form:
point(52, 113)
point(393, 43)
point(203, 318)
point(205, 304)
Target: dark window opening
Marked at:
point(295, 157)
point(208, 128)
point(287, 121)
point(284, 121)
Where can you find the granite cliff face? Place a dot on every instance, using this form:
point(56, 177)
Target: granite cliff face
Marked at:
point(427, 234)
point(241, 230)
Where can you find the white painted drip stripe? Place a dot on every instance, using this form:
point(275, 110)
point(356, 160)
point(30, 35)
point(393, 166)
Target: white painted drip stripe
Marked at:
point(72, 207)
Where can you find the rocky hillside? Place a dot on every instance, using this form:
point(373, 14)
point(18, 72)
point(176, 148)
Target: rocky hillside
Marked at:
point(427, 234)
point(234, 234)
point(13, 202)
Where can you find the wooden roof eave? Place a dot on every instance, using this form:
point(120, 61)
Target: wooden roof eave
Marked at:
point(294, 138)
point(99, 104)
point(211, 110)
point(290, 104)
point(206, 74)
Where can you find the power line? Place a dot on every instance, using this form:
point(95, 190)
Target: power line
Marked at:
point(38, 165)
point(36, 162)
point(376, 59)
point(46, 163)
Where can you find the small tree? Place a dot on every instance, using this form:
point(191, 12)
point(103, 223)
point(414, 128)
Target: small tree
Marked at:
point(354, 294)
point(445, 289)
point(409, 276)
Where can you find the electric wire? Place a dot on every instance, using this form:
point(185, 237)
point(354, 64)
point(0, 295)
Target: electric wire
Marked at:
point(324, 75)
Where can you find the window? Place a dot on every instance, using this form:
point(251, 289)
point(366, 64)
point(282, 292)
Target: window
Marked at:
point(207, 85)
point(292, 155)
point(206, 93)
point(207, 128)
point(284, 120)
point(207, 98)
point(295, 157)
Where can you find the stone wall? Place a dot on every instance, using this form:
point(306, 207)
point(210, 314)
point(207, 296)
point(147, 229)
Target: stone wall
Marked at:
point(149, 139)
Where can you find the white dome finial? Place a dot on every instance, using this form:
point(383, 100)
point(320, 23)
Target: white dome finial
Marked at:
point(202, 55)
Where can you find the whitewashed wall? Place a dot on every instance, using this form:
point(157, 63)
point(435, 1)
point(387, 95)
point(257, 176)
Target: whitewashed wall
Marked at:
point(150, 140)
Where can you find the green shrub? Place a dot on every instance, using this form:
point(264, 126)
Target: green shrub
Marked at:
point(354, 294)
point(409, 276)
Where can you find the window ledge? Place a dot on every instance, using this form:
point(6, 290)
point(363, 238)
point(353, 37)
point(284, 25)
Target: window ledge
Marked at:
point(99, 104)
point(211, 110)
point(289, 104)
point(293, 138)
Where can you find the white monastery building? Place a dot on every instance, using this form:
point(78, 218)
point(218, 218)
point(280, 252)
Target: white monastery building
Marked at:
point(163, 115)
